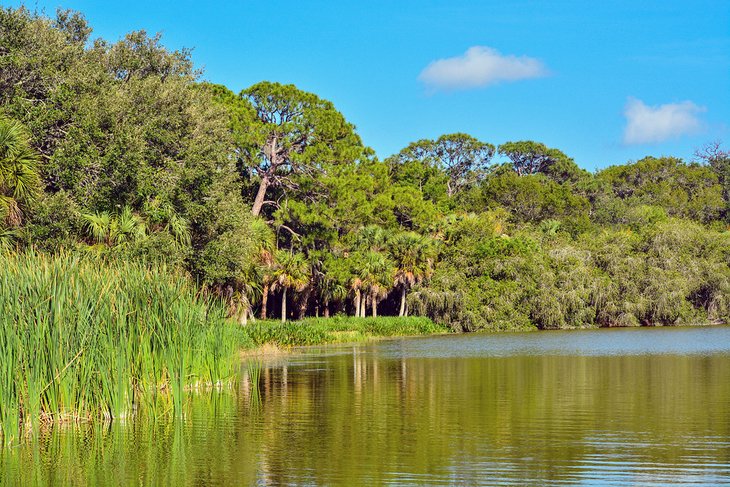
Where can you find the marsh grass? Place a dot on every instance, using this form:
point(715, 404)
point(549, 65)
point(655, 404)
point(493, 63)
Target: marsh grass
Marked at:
point(83, 338)
point(339, 329)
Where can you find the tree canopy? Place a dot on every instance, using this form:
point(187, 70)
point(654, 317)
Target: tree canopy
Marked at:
point(458, 160)
point(292, 134)
point(269, 199)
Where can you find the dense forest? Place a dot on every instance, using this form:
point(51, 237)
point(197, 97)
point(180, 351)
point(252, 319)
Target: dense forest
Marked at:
point(269, 199)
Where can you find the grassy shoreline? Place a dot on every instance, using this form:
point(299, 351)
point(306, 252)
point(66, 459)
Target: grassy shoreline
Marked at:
point(338, 329)
point(271, 337)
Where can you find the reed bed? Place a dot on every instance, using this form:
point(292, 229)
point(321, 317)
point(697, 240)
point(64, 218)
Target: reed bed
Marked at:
point(85, 338)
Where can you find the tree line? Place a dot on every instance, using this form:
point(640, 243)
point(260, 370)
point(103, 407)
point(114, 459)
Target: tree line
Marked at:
point(270, 199)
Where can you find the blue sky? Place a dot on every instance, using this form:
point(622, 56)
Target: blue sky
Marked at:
point(606, 82)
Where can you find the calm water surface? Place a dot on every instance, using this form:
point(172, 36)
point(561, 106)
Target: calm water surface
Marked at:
point(600, 407)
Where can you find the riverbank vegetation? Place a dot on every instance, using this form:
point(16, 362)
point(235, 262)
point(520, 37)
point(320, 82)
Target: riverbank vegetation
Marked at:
point(269, 199)
point(339, 329)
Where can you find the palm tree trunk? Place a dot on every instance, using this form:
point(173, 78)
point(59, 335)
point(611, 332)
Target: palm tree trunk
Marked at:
point(283, 306)
point(243, 312)
point(303, 302)
point(374, 303)
point(402, 302)
point(357, 303)
point(363, 304)
point(326, 309)
point(264, 301)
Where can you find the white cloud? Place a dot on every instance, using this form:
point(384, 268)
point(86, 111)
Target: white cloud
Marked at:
point(480, 66)
point(649, 124)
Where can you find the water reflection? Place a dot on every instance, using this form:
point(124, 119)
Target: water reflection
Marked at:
point(410, 412)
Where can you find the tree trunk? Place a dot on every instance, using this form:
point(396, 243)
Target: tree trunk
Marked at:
point(357, 303)
point(264, 301)
point(363, 305)
point(374, 303)
point(258, 203)
point(303, 302)
point(283, 306)
point(326, 309)
point(243, 312)
point(243, 318)
point(402, 301)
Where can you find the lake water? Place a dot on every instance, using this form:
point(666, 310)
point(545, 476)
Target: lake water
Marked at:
point(600, 407)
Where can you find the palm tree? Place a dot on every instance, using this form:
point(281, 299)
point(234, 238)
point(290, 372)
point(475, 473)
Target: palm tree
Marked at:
point(7, 235)
point(413, 255)
point(267, 281)
point(263, 241)
point(331, 289)
point(356, 288)
point(291, 272)
point(331, 285)
point(162, 216)
point(19, 180)
point(377, 277)
point(371, 237)
point(257, 261)
point(110, 230)
point(352, 263)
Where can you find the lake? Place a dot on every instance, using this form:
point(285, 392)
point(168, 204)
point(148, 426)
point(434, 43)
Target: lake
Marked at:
point(648, 406)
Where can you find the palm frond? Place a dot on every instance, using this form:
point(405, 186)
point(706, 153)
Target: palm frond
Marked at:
point(19, 180)
point(98, 225)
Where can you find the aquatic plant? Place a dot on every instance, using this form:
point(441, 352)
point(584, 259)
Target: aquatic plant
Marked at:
point(82, 337)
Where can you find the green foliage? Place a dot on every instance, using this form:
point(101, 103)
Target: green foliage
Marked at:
point(331, 279)
point(318, 331)
point(54, 223)
point(376, 273)
point(292, 134)
point(270, 195)
point(532, 198)
point(442, 167)
point(528, 157)
point(19, 181)
point(718, 160)
point(118, 125)
point(684, 190)
point(671, 272)
point(291, 271)
point(110, 230)
point(86, 338)
point(413, 256)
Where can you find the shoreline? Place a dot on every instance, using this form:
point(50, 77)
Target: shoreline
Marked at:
point(271, 338)
point(274, 349)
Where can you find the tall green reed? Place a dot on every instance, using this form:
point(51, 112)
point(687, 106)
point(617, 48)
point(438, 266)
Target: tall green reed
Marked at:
point(82, 338)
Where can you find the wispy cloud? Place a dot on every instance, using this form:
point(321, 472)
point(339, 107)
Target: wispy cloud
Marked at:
point(479, 66)
point(650, 124)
